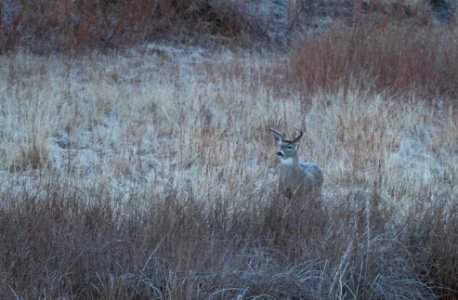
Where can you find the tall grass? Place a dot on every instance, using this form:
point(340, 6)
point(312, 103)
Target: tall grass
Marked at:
point(165, 247)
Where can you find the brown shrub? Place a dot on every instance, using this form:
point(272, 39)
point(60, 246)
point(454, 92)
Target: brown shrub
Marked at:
point(379, 56)
point(46, 25)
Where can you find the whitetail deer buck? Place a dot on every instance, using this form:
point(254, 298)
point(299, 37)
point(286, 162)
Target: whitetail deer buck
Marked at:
point(300, 181)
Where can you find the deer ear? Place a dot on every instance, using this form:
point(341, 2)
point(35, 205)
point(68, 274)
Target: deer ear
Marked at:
point(278, 136)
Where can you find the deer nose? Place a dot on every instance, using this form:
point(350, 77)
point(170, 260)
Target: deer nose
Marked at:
point(280, 153)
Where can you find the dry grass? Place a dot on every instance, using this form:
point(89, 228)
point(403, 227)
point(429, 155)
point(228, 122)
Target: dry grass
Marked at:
point(159, 181)
point(150, 172)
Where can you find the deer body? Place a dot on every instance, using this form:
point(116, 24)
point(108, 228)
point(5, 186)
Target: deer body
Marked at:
point(297, 180)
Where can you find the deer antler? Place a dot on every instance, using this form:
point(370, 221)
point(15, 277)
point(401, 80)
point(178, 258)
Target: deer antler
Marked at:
point(299, 137)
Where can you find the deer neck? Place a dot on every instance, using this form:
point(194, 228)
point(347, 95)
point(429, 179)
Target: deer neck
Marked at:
point(289, 162)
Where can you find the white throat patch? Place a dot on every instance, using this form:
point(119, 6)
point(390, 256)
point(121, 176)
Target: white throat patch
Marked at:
point(287, 161)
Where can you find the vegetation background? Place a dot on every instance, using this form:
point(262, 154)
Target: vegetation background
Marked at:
point(136, 161)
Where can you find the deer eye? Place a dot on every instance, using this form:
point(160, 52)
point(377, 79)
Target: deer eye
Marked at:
point(290, 147)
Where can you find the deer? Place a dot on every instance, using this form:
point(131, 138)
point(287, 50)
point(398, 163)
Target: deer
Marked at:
point(298, 180)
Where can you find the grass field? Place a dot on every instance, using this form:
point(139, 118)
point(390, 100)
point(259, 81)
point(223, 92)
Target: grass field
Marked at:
point(149, 171)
